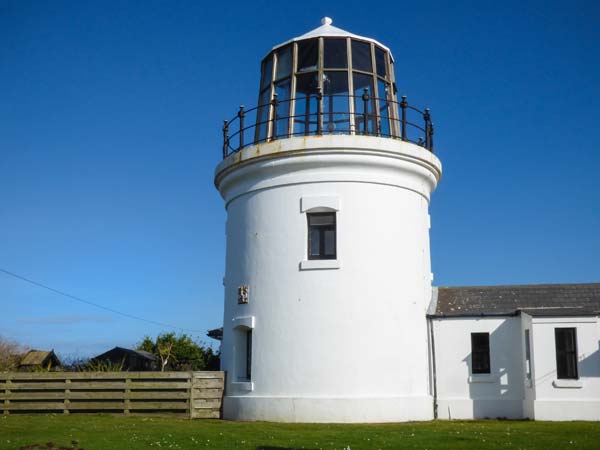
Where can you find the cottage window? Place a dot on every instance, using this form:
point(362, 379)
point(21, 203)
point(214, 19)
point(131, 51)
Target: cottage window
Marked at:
point(566, 353)
point(321, 235)
point(480, 353)
point(527, 355)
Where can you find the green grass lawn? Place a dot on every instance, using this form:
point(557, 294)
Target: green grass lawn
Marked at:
point(95, 432)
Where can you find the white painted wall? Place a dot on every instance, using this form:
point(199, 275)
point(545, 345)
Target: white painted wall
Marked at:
point(566, 399)
point(462, 395)
point(311, 360)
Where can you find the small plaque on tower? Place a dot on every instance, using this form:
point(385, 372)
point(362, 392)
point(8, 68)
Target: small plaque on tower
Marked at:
point(243, 294)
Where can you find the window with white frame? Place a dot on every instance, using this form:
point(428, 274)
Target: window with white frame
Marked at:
point(566, 353)
point(480, 353)
point(322, 235)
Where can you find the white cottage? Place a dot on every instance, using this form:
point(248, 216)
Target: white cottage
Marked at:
point(516, 351)
point(327, 186)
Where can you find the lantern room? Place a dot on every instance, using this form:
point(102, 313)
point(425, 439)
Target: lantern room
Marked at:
point(328, 81)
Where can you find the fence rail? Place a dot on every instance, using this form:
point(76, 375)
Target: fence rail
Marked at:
point(187, 394)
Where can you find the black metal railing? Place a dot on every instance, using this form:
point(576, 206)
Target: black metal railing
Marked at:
point(316, 115)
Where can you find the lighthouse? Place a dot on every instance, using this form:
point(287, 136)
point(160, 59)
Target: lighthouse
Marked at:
point(327, 184)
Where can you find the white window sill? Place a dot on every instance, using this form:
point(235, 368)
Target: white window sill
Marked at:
point(243, 385)
point(483, 378)
point(317, 264)
point(568, 384)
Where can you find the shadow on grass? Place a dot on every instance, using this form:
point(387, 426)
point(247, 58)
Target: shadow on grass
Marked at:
point(270, 447)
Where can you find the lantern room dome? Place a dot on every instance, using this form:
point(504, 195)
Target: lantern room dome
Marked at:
point(328, 30)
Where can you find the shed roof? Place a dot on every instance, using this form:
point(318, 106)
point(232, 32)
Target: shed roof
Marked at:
point(141, 353)
point(535, 299)
point(38, 357)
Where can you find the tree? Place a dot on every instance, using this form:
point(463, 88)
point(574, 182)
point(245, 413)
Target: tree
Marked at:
point(179, 352)
point(10, 355)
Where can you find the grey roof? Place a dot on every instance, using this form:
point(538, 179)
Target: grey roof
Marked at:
point(534, 299)
point(217, 334)
point(142, 353)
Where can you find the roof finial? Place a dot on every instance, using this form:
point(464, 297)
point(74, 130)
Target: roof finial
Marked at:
point(326, 21)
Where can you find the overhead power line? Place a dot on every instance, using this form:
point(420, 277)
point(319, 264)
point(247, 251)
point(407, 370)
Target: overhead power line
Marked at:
point(97, 305)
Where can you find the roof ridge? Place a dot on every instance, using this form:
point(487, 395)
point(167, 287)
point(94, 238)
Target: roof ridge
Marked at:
point(519, 285)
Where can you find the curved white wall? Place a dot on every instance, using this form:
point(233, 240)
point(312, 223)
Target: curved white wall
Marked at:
point(332, 341)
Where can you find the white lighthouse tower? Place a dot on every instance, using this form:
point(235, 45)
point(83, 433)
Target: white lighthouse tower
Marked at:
point(327, 186)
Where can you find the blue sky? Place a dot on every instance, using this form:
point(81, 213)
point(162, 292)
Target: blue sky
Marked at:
point(110, 116)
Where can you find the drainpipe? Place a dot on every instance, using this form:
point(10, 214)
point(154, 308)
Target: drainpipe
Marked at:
point(433, 366)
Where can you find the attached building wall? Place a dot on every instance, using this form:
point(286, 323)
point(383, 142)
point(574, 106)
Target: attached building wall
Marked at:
point(464, 395)
point(563, 399)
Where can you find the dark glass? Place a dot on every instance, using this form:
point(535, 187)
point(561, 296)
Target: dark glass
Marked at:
point(249, 354)
point(380, 62)
point(336, 105)
point(361, 56)
point(335, 53)
point(480, 353)
point(384, 108)
point(305, 115)
point(267, 72)
point(566, 353)
point(329, 236)
point(262, 116)
point(321, 219)
point(315, 242)
point(308, 53)
point(284, 62)
point(282, 89)
point(362, 82)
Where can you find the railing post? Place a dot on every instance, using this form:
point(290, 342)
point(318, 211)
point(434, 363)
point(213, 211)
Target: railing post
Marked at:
point(403, 105)
point(241, 114)
point(427, 117)
point(365, 98)
point(431, 137)
point(319, 111)
point(225, 138)
point(275, 103)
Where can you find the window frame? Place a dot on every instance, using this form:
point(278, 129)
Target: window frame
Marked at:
point(481, 355)
point(321, 230)
point(569, 356)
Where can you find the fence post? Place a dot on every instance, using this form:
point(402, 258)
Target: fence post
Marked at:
point(365, 98)
point(7, 384)
point(127, 396)
point(275, 103)
point(241, 115)
point(427, 117)
point(403, 105)
point(319, 111)
point(67, 401)
point(225, 138)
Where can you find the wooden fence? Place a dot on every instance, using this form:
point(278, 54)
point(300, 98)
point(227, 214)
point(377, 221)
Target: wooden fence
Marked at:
point(187, 394)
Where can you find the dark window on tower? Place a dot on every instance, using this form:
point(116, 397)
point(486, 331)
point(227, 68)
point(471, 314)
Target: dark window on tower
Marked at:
point(480, 353)
point(566, 353)
point(249, 354)
point(321, 236)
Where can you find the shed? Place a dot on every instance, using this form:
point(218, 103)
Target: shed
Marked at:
point(134, 360)
point(34, 359)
